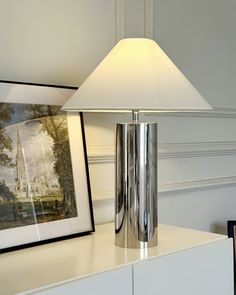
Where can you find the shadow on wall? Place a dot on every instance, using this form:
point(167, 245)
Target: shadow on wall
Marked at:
point(219, 228)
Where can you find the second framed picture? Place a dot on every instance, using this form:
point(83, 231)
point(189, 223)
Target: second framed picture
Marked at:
point(231, 228)
point(44, 180)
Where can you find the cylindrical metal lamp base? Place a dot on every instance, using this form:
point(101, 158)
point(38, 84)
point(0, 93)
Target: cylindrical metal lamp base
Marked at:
point(136, 185)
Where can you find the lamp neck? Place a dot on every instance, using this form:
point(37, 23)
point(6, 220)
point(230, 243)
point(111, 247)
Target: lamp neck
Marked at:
point(135, 116)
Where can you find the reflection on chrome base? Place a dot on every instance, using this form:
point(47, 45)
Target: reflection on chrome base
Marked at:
point(136, 185)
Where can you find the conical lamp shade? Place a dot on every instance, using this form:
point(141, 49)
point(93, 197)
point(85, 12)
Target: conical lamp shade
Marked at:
point(136, 75)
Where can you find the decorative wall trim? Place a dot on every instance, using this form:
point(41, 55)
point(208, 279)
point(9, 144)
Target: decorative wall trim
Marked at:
point(196, 149)
point(119, 19)
point(105, 153)
point(100, 154)
point(107, 197)
point(146, 19)
point(216, 113)
point(149, 19)
point(197, 185)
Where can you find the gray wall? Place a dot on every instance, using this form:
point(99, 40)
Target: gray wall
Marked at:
point(199, 35)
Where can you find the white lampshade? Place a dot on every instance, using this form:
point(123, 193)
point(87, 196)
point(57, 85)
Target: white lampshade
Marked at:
point(136, 75)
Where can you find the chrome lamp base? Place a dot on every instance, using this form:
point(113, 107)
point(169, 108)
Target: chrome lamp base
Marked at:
point(136, 185)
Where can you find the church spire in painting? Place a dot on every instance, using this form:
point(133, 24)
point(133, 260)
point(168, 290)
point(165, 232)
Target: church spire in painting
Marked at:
point(20, 167)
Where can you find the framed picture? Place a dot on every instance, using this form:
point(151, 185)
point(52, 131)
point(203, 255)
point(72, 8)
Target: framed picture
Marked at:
point(44, 180)
point(231, 227)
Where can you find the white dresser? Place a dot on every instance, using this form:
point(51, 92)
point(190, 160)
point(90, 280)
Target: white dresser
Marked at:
point(186, 262)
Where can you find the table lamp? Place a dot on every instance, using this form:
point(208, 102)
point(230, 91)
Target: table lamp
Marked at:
point(136, 76)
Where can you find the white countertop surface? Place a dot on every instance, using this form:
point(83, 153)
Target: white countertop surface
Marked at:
point(75, 258)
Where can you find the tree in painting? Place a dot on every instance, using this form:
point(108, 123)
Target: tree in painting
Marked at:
point(56, 127)
point(5, 141)
point(5, 145)
point(5, 193)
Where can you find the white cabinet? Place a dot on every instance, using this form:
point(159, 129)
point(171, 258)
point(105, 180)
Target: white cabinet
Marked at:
point(205, 270)
point(115, 282)
point(184, 262)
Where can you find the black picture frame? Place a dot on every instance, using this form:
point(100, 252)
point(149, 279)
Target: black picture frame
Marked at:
point(23, 93)
point(231, 231)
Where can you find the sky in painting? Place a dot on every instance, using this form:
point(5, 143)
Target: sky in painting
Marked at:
point(36, 145)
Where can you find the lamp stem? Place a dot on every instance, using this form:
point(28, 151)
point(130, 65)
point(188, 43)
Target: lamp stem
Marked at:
point(135, 116)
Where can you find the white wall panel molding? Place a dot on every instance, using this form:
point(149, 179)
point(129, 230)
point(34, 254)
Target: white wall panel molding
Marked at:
point(196, 149)
point(149, 19)
point(216, 113)
point(134, 18)
point(106, 197)
point(197, 185)
point(100, 154)
point(102, 197)
point(119, 19)
point(105, 153)
point(103, 201)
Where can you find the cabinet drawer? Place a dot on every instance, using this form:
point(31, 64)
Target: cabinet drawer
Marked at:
point(114, 282)
point(205, 270)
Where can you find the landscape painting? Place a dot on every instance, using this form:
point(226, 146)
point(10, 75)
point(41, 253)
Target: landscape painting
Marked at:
point(36, 179)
